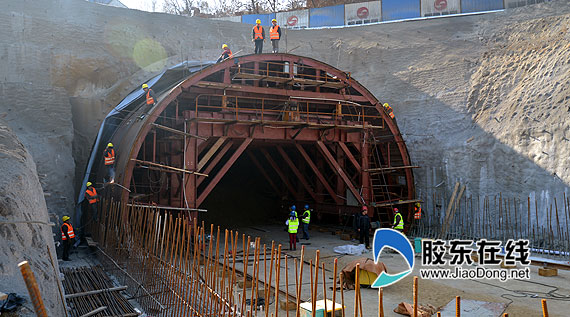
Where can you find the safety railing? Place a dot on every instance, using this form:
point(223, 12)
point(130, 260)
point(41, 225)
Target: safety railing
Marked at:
point(290, 70)
point(294, 109)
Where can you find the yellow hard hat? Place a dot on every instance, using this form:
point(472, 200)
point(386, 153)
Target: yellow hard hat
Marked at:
point(110, 144)
point(258, 21)
point(65, 218)
point(274, 20)
point(418, 204)
point(225, 46)
point(89, 184)
point(144, 86)
point(386, 105)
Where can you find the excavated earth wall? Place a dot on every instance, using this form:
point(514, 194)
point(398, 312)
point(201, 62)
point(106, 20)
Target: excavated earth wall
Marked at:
point(480, 99)
point(24, 231)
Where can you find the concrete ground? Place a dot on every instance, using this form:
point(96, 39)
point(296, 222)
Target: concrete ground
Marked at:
point(521, 297)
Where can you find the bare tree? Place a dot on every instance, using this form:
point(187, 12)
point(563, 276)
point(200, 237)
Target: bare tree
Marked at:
point(185, 7)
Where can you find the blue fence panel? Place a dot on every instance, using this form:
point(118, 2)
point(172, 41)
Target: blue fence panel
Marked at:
point(327, 16)
point(265, 19)
point(400, 9)
point(480, 5)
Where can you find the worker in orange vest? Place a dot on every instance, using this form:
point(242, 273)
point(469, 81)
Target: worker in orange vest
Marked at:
point(109, 156)
point(67, 236)
point(417, 211)
point(150, 100)
point(258, 36)
point(226, 54)
point(389, 110)
point(275, 35)
point(92, 199)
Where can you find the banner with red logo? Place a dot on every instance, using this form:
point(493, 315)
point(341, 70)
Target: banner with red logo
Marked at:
point(293, 19)
point(364, 12)
point(439, 7)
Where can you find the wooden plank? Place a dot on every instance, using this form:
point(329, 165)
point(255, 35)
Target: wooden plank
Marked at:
point(168, 167)
point(448, 221)
point(448, 211)
point(381, 169)
point(210, 153)
point(223, 171)
point(215, 161)
point(3, 296)
point(399, 202)
point(90, 242)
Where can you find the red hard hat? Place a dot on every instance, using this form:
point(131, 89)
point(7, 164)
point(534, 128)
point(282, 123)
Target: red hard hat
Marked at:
point(364, 208)
point(395, 209)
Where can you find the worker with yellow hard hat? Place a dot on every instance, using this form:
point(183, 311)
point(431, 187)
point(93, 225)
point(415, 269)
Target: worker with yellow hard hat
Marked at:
point(226, 53)
point(67, 236)
point(275, 35)
point(109, 157)
point(258, 36)
point(150, 99)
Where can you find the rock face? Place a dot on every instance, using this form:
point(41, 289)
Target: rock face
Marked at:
point(24, 230)
point(479, 99)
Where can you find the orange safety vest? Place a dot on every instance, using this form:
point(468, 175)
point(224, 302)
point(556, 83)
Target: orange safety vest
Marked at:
point(70, 232)
point(229, 52)
point(258, 32)
point(418, 213)
point(91, 195)
point(149, 99)
point(273, 34)
point(110, 157)
point(390, 112)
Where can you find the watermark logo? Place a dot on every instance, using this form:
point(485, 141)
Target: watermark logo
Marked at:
point(397, 241)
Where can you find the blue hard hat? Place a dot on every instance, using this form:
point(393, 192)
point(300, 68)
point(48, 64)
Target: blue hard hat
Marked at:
point(293, 208)
point(306, 206)
point(292, 214)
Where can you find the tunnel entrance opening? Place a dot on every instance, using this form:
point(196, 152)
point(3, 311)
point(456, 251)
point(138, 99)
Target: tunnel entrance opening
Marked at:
point(309, 132)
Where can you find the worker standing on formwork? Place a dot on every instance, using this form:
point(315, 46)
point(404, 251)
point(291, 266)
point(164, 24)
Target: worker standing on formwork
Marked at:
point(150, 99)
point(275, 36)
point(418, 211)
point(227, 53)
point(67, 236)
point(92, 199)
point(109, 156)
point(389, 110)
point(398, 221)
point(292, 227)
point(258, 36)
point(306, 219)
point(364, 227)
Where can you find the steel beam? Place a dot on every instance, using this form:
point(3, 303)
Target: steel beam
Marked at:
point(350, 156)
point(336, 167)
point(300, 176)
point(280, 173)
point(319, 175)
point(263, 172)
point(223, 171)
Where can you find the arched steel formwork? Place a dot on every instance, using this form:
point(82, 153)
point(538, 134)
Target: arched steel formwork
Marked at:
point(314, 133)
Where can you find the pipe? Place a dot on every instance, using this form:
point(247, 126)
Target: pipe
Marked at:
point(33, 289)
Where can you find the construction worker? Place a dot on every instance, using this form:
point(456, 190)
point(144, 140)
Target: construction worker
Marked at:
point(417, 211)
point(109, 156)
point(258, 36)
point(389, 110)
point(292, 227)
point(306, 219)
point(150, 100)
point(275, 36)
point(67, 236)
point(92, 198)
point(293, 209)
point(398, 221)
point(364, 227)
point(227, 53)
